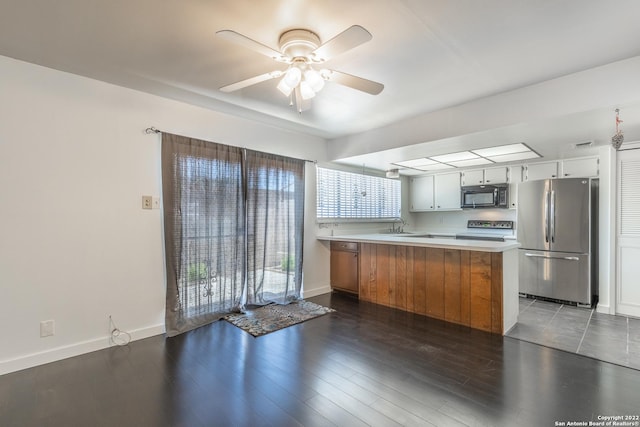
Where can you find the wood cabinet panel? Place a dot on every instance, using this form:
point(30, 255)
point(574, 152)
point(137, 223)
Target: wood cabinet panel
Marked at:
point(365, 272)
point(458, 286)
point(382, 274)
point(400, 279)
point(344, 266)
point(420, 280)
point(452, 286)
point(435, 283)
point(410, 279)
point(465, 288)
point(480, 274)
point(496, 293)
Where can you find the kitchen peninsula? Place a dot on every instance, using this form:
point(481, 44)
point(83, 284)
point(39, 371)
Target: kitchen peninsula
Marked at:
point(467, 282)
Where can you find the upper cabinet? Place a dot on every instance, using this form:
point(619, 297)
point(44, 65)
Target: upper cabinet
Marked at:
point(515, 177)
point(447, 191)
point(472, 177)
point(421, 194)
point(587, 167)
point(580, 168)
point(497, 175)
point(545, 170)
point(441, 192)
point(435, 192)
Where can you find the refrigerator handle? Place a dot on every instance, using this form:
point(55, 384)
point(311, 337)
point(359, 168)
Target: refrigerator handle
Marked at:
point(568, 258)
point(552, 212)
point(546, 216)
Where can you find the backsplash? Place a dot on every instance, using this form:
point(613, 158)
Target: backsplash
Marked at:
point(453, 221)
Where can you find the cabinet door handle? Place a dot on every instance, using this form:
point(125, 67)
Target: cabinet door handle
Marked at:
point(566, 174)
point(487, 181)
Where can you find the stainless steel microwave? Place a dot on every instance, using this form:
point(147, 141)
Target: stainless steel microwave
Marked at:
point(485, 196)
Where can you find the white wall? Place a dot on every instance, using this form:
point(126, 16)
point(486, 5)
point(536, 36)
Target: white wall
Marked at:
point(456, 221)
point(75, 244)
point(607, 218)
point(608, 85)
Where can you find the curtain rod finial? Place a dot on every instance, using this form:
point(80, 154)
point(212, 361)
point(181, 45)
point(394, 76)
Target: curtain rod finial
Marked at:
point(151, 130)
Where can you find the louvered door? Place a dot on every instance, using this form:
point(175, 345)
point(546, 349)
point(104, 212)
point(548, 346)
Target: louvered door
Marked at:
point(628, 285)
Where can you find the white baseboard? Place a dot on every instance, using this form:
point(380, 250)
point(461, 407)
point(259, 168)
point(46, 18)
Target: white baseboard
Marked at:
point(308, 293)
point(605, 309)
point(64, 352)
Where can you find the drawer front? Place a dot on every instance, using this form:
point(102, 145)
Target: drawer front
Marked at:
point(344, 246)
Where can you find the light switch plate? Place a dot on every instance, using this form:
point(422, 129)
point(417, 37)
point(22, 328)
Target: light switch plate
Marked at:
point(156, 202)
point(47, 328)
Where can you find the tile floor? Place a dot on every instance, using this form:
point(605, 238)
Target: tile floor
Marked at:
point(614, 339)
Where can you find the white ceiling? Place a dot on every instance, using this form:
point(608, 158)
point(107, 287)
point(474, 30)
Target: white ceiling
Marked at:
point(431, 55)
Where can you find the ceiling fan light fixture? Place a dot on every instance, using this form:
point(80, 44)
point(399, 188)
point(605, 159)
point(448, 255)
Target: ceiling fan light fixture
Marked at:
point(284, 87)
point(299, 48)
point(305, 90)
point(314, 79)
point(292, 77)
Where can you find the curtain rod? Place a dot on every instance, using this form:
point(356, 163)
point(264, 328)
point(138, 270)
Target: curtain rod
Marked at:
point(154, 130)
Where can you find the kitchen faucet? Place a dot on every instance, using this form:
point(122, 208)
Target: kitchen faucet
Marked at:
point(400, 228)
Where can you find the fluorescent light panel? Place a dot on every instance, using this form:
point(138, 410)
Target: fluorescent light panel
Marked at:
point(416, 162)
point(514, 157)
point(434, 167)
point(471, 162)
point(455, 157)
point(501, 150)
point(482, 156)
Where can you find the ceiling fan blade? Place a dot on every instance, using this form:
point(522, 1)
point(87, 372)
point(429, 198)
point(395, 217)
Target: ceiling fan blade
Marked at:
point(354, 82)
point(245, 41)
point(346, 40)
point(251, 81)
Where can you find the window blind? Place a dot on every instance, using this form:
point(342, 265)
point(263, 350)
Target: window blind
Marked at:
point(347, 195)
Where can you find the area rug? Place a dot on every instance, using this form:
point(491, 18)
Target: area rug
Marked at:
point(273, 317)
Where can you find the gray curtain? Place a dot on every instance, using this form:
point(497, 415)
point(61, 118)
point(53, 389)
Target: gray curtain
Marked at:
point(275, 217)
point(204, 227)
point(233, 224)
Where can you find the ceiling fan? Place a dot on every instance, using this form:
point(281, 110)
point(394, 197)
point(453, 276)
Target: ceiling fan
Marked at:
point(301, 50)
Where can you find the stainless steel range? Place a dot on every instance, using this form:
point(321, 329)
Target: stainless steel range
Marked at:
point(487, 230)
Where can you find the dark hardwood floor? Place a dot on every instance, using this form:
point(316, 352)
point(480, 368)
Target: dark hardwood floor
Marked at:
point(362, 365)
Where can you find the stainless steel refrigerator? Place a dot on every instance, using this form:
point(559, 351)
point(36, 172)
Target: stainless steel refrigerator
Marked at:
point(557, 231)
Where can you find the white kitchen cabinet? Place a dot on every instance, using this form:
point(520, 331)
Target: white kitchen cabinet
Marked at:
point(435, 192)
point(472, 177)
point(498, 175)
point(421, 194)
point(515, 178)
point(447, 191)
point(580, 168)
point(545, 170)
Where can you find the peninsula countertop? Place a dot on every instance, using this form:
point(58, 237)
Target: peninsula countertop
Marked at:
point(421, 240)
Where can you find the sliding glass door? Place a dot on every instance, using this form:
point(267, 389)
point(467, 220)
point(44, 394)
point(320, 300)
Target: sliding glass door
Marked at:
point(233, 221)
point(275, 210)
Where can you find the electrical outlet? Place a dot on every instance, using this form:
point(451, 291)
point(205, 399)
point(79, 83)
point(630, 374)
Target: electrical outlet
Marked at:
point(147, 202)
point(47, 328)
